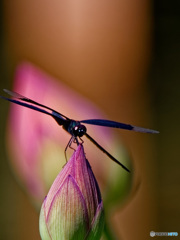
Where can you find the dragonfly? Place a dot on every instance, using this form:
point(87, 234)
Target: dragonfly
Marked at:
point(75, 128)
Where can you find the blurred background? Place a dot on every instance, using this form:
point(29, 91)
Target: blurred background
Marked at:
point(124, 57)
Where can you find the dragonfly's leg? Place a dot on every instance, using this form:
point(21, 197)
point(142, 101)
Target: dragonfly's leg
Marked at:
point(81, 140)
point(76, 141)
point(68, 145)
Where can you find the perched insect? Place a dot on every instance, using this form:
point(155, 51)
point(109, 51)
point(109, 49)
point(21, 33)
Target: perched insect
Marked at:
point(75, 128)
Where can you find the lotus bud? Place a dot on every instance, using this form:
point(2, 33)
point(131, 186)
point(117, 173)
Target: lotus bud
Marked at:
point(73, 208)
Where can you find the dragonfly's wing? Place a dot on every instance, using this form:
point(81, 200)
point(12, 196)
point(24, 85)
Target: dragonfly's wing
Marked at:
point(25, 99)
point(113, 124)
point(57, 116)
point(107, 153)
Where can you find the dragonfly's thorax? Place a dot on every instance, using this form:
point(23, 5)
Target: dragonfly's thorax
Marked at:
point(75, 128)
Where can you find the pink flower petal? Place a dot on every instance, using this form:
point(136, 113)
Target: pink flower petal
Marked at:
point(68, 211)
point(97, 224)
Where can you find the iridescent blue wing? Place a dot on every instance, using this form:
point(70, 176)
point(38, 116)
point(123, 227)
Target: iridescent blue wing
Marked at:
point(113, 124)
point(25, 102)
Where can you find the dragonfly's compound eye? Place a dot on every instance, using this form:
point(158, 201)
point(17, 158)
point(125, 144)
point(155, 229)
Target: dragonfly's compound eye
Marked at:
point(79, 130)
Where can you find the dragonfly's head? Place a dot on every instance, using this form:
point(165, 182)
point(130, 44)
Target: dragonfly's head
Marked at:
point(79, 130)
